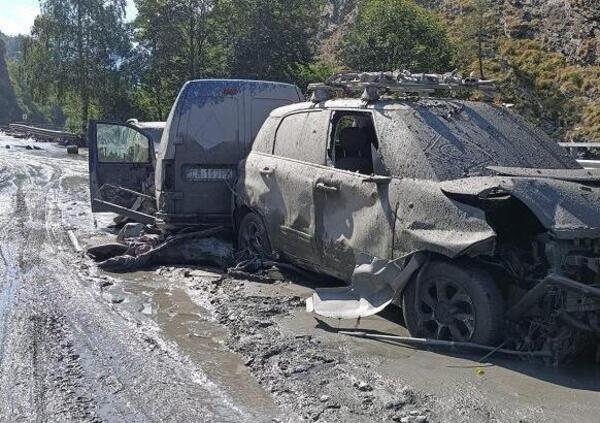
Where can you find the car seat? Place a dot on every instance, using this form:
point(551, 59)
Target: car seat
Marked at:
point(353, 151)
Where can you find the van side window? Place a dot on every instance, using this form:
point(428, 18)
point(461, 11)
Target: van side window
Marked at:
point(264, 140)
point(354, 143)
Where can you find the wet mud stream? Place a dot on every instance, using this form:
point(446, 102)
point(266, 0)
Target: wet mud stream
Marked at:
point(192, 328)
point(69, 352)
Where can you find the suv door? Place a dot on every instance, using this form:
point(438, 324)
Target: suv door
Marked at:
point(352, 207)
point(281, 183)
point(121, 166)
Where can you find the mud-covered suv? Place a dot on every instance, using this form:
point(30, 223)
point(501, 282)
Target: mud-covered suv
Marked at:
point(481, 226)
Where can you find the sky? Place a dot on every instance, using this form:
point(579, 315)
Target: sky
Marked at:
point(16, 16)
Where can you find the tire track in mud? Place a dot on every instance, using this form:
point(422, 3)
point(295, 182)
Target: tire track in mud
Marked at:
point(66, 355)
point(39, 340)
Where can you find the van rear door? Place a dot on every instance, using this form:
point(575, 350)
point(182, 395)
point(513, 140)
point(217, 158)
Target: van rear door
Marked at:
point(121, 170)
point(211, 128)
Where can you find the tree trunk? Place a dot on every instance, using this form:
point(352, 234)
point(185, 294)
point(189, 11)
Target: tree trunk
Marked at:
point(192, 41)
point(480, 56)
point(82, 70)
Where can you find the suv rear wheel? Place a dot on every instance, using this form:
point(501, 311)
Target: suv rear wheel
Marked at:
point(454, 303)
point(252, 235)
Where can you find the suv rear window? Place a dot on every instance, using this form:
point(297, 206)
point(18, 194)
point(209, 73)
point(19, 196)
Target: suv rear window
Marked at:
point(445, 140)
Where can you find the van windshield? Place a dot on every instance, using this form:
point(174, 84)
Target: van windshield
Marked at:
point(445, 140)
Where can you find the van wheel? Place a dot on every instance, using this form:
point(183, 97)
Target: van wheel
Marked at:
point(252, 235)
point(454, 303)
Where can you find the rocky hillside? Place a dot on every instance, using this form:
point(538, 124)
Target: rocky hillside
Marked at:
point(569, 27)
point(546, 52)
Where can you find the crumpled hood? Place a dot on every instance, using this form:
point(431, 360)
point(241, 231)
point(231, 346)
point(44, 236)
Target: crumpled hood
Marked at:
point(565, 202)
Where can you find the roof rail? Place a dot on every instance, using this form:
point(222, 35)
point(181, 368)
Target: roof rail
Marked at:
point(404, 82)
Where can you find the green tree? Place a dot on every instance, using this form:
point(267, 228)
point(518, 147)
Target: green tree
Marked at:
point(396, 34)
point(75, 53)
point(266, 39)
point(476, 30)
point(9, 109)
point(176, 41)
point(304, 74)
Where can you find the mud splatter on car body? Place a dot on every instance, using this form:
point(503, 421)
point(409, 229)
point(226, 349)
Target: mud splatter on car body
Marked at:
point(457, 209)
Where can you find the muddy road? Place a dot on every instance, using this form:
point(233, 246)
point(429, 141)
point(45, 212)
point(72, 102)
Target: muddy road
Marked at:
point(66, 353)
point(192, 345)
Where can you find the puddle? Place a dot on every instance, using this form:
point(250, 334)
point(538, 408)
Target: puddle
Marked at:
point(199, 337)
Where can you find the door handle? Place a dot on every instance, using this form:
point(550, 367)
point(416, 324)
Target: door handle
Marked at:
point(322, 186)
point(267, 171)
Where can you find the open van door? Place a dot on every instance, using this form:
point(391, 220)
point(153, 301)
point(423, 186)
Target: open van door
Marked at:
point(121, 162)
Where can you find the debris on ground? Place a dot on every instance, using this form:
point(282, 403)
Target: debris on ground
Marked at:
point(260, 269)
point(131, 230)
point(150, 250)
point(103, 252)
point(290, 365)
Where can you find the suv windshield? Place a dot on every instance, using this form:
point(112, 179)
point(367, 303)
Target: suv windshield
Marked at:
point(444, 140)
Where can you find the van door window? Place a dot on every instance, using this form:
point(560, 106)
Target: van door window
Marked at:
point(354, 143)
point(121, 144)
point(212, 122)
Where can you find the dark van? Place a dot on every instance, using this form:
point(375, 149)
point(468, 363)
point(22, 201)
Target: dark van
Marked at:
point(211, 127)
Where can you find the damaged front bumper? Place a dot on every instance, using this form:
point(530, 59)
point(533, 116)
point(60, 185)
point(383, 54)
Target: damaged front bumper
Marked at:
point(541, 289)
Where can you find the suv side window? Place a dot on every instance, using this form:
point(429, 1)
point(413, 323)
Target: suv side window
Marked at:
point(315, 137)
point(354, 144)
point(264, 140)
point(303, 137)
point(288, 140)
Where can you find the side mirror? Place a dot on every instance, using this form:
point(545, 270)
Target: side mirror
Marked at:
point(377, 179)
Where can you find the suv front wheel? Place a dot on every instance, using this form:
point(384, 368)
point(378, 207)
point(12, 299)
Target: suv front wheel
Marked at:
point(454, 303)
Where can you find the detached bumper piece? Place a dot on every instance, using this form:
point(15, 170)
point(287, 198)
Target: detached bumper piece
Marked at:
point(375, 283)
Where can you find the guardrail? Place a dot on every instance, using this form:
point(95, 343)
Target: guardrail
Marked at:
point(41, 125)
point(42, 132)
point(590, 164)
point(576, 147)
point(587, 145)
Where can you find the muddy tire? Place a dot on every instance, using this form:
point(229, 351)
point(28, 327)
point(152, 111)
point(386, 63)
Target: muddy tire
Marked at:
point(454, 303)
point(252, 235)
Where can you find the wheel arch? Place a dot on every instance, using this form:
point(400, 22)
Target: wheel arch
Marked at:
point(465, 260)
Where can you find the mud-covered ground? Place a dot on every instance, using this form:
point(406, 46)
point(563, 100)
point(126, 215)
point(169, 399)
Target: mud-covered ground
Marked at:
point(192, 345)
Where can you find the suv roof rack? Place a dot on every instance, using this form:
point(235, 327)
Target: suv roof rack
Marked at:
point(404, 82)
